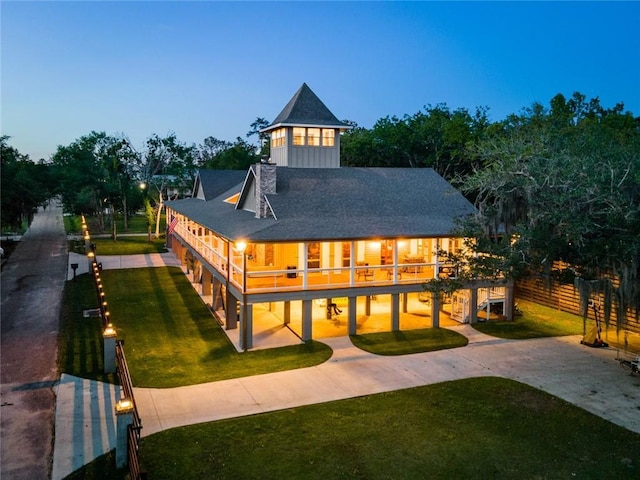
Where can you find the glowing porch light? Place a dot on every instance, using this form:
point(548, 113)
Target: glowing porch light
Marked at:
point(240, 246)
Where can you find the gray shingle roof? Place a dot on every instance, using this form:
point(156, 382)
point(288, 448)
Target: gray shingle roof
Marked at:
point(339, 204)
point(305, 108)
point(216, 182)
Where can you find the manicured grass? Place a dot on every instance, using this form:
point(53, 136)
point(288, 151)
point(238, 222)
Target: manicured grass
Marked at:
point(171, 338)
point(136, 224)
point(122, 246)
point(128, 245)
point(410, 341)
point(473, 429)
point(536, 321)
point(79, 338)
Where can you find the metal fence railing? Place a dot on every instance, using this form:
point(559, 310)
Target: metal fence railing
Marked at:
point(133, 433)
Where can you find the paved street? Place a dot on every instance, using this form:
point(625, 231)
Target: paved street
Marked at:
point(32, 283)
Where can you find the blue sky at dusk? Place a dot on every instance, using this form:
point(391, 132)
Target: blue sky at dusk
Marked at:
point(204, 69)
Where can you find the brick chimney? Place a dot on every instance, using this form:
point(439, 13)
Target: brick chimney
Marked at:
point(265, 184)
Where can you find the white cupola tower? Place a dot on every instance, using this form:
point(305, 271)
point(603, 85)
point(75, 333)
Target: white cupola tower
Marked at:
point(306, 134)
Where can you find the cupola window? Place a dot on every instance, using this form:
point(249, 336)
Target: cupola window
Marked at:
point(313, 137)
point(279, 138)
point(328, 137)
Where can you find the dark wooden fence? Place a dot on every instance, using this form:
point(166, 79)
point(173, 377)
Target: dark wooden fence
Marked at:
point(565, 298)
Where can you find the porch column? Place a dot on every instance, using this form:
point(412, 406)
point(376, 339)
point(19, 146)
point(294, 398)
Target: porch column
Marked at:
point(287, 313)
point(232, 312)
point(307, 315)
point(207, 280)
point(395, 312)
point(473, 306)
point(353, 310)
point(508, 301)
point(405, 301)
point(246, 326)
point(216, 295)
point(367, 305)
point(435, 309)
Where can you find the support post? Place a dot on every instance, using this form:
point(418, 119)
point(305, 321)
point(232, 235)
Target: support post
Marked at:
point(232, 312)
point(246, 327)
point(435, 309)
point(353, 310)
point(473, 306)
point(367, 305)
point(395, 312)
point(508, 301)
point(307, 315)
point(287, 312)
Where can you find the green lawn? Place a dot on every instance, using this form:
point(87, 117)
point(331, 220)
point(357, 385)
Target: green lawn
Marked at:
point(476, 428)
point(536, 321)
point(128, 245)
point(137, 224)
point(124, 245)
point(410, 341)
point(171, 338)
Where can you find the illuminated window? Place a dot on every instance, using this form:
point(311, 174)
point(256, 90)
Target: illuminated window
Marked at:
point(278, 138)
point(328, 137)
point(298, 136)
point(313, 137)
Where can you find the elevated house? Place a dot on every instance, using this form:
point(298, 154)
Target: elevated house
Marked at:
point(297, 239)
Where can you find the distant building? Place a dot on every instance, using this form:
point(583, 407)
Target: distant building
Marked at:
point(302, 238)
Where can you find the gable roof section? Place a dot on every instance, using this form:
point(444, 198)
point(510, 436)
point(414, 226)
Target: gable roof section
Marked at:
point(340, 204)
point(211, 183)
point(305, 108)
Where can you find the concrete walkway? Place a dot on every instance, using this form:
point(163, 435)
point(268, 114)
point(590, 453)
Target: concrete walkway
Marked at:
point(589, 378)
point(112, 262)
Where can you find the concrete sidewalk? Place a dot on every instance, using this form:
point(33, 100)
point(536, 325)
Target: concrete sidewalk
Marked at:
point(112, 262)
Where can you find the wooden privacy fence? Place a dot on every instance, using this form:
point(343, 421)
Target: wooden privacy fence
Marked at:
point(567, 299)
point(133, 429)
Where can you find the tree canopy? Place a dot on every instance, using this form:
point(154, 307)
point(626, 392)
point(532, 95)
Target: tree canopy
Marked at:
point(562, 184)
point(25, 186)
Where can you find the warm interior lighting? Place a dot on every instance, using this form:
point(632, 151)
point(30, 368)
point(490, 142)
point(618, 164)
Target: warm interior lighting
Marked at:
point(233, 199)
point(240, 246)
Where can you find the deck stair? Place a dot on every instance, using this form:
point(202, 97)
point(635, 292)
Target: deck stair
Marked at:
point(487, 297)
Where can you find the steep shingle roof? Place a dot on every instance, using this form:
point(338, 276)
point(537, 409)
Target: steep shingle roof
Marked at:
point(216, 182)
point(340, 204)
point(305, 108)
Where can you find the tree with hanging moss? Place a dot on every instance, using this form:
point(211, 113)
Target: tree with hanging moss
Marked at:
point(562, 184)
